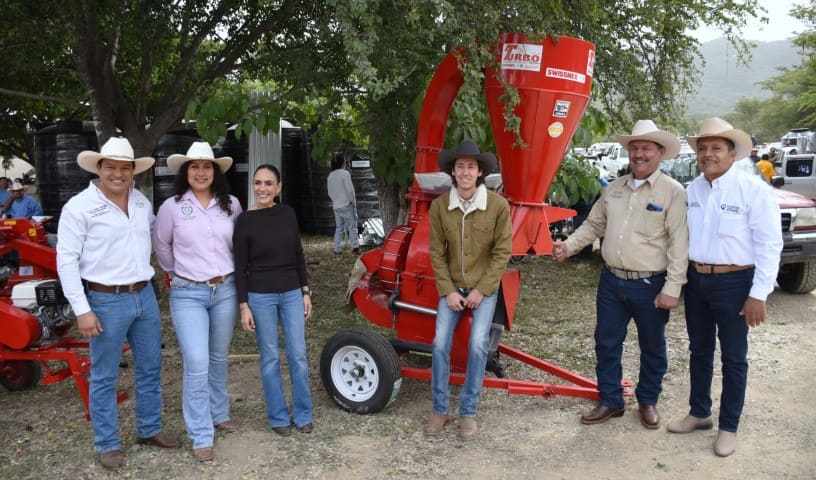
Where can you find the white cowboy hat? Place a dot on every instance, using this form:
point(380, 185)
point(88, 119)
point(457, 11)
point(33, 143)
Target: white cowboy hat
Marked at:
point(717, 127)
point(16, 186)
point(647, 130)
point(116, 148)
point(198, 151)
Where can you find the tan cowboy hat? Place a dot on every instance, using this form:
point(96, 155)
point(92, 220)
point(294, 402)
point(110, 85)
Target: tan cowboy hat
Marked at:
point(16, 186)
point(647, 130)
point(116, 148)
point(198, 151)
point(466, 149)
point(717, 127)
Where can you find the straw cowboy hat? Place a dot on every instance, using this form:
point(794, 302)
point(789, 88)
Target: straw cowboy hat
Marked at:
point(198, 151)
point(116, 148)
point(647, 130)
point(717, 127)
point(466, 149)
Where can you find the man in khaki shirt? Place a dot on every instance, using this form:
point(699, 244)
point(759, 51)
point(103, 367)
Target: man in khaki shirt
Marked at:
point(642, 218)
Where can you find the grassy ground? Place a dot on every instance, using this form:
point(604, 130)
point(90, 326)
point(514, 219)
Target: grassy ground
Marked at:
point(43, 432)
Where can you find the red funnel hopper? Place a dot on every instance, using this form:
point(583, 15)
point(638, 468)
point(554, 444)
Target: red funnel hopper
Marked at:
point(553, 81)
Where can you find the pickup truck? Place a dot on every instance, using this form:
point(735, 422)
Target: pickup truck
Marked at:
point(797, 269)
point(799, 173)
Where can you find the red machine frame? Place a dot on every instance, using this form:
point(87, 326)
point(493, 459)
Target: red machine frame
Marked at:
point(20, 331)
point(397, 288)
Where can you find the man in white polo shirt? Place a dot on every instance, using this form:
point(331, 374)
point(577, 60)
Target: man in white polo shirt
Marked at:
point(103, 261)
point(735, 240)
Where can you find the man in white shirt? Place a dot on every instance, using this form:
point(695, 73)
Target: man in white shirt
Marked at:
point(734, 246)
point(103, 261)
point(344, 204)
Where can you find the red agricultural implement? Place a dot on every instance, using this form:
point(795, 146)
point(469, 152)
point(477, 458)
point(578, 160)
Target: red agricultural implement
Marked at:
point(34, 314)
point(396, 289)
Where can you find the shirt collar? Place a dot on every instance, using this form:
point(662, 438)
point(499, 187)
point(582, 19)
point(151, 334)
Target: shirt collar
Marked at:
point(652, 179)
point(723, 180)
point(479, 199)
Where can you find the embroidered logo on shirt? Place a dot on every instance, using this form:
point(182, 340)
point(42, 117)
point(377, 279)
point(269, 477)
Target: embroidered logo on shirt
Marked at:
point(98, 211)
point(693, 204)
point(730, 208)
point(616, 194)
point(186, 209)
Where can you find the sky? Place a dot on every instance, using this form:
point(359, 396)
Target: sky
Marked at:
point(779, 27)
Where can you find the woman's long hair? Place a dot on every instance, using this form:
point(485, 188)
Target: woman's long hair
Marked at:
point(219, 187)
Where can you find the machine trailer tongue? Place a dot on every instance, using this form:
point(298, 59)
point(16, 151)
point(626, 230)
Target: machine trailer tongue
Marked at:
point(395, 287)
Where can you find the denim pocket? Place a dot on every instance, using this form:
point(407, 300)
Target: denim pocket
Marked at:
point(101, 298)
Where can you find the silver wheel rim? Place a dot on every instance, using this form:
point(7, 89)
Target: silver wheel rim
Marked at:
point(354, 373)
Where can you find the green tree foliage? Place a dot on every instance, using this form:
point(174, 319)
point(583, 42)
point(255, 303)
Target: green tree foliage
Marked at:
point(335, 65)
point(136, 65)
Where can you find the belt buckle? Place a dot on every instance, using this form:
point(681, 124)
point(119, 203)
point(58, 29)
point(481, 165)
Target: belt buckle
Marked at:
point(132, 288)
point(213, 281)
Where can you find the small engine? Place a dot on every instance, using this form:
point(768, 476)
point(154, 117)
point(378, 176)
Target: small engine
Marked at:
point(44, 300)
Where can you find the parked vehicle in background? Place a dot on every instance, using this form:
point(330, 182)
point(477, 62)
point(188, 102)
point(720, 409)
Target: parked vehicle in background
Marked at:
point(797, 269)
point(615, 159)
point(597, 149)
point(799, 174)
point(803, 139)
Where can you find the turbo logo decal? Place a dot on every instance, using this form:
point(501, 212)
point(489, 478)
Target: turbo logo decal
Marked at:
point(521, 56)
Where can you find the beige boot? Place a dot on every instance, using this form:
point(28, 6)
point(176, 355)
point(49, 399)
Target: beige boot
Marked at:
point(436, 424)
point(690, 424)
point(726, 443)
point(467, 429)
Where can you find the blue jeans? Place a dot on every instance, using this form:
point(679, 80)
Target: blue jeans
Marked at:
point(285, 309)
point(713, 303)
point(446, 322)
point(617, 302)
point(135, 317)
point(345, 220)
point(204, 318)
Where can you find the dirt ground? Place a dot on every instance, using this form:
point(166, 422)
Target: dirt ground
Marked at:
point(43, 433)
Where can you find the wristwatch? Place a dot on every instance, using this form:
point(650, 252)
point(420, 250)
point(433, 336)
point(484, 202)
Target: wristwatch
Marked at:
point(306, 292)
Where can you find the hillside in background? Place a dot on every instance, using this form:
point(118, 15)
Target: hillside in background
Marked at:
point(723, 83)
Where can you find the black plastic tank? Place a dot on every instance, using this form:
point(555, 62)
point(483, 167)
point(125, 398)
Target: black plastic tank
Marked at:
point(59, 177)
point(304, 183)
point(238, 174)
point(170, 143)
point(365, 188)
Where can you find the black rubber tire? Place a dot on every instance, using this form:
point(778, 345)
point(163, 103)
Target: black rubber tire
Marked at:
point(797, 277)
point(360, 370)
point(20, 374)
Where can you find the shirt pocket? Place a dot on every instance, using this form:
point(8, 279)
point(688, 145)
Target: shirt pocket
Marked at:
point(732, 226)
point(652, 225)
point(482, 233)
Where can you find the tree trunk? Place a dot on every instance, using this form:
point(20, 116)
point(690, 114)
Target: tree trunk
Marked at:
point(393, 204)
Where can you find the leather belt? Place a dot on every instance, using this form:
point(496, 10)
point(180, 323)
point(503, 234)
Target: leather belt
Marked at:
point(211, 282)
point(132, 288)
point(708, 268)
point(630, 274)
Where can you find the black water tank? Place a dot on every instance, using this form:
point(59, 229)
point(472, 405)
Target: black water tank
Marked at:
point(170, 143)
point(304, 184)
point(238, 174)
point(59, 177)
point(365, 188)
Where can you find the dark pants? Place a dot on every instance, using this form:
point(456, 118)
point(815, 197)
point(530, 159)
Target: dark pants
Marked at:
point(713, 304)
point(617, 302)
